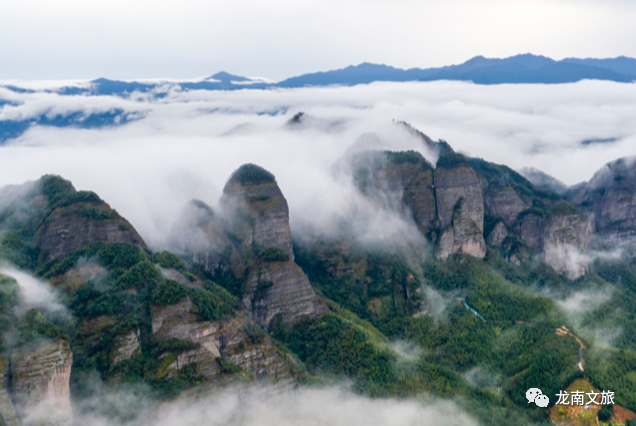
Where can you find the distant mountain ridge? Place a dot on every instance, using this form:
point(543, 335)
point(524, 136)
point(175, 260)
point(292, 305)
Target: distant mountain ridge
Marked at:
point(525, 68)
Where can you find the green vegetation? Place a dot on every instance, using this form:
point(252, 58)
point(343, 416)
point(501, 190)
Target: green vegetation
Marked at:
point(531, 211)
point(228, 367)
point(34, 327)
point(8, 301)
point(210, 304)
point(564, 209)
point(92, 213)
point(605, 413)
point(401, 157)
point(450, 160)
point(273, 254)
point(251, 174)
point(175, 346)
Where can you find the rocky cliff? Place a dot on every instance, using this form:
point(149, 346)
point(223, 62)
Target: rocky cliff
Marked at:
point(7, 410)
point(257, 218)
point(216, 346)
point(460, 209)
point(40, 383)
point(401, 181)
point(201, 236)
point(561, 237)
point(256, 210)
point(609, 201)
point(73, 226)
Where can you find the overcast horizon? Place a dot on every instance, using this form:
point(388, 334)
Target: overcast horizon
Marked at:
point(276, 40)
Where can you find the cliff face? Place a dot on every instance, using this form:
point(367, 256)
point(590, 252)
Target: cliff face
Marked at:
point(71, 227)
point(7, 410)
point(40, 383)
point(562, 240)
point(232, 339)
point(565, 243)
point(609, 200)
point(505, 203)
point(460, 209)
point(420, 199)
point(270, 287)
point(202, 236)
point(497, 235)
point(125, 346)
point(258, 217)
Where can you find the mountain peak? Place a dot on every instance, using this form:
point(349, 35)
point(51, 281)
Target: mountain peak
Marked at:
point(226, 77)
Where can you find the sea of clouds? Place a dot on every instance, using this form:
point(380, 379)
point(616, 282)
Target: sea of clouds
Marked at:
point(185, 145)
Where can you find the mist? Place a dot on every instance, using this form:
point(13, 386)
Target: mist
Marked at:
point(242, 406)
point(185, 145)
point(35, 293)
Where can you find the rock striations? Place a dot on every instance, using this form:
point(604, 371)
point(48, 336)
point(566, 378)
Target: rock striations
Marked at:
point(460, 209)
point(217, 346)
point(250, 237)
point(73, 226)
point(40, 383)
point(609, 202)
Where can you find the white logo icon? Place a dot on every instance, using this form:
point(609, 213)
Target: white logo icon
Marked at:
point(535, 395)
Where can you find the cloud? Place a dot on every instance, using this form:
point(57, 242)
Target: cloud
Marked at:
point(35, 293)
point(258, 406)
point(187, 144)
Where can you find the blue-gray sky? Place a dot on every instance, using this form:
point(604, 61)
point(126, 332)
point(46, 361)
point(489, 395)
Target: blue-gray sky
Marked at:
point(280, 38)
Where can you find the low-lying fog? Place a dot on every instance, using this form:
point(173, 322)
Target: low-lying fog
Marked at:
point(186, 144)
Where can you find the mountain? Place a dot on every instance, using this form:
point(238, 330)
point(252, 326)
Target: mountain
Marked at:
point(527, 68)
point(474, 305)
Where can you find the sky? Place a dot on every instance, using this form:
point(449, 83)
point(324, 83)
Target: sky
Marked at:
point(129, 39)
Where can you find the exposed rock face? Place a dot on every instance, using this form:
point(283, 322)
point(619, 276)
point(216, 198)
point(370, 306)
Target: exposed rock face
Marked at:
point(505, 203)
point(460, 210)
point(609, 200)
point(420, 199)
point(202, 236)
point(40, 383)
point(227, 338)
point(270, 288)
point(565, 243)
point(562, 241)
point(497, 235)
point(259, 215)
point(71, 227)
point(7, 410)
point(124, 347)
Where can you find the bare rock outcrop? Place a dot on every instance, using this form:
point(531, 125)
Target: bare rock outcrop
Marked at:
point(258, 217)
point(397, 181)
point(40, 383)
point(7, 410)
point(609, 201)
point(257, 210)
point(561, 237)
point(201, 235)
point(235, 340)
point(271, 286)
point(460, 209)
point(497, 235)
point(70, 227)
point(420, 199)
point(505, 203)
point(124, 346)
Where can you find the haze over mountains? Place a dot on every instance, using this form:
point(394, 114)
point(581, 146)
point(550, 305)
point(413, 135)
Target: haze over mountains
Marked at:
point(526, 68)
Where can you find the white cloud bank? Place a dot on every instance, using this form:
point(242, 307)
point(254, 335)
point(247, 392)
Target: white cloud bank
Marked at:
point(311, 407)
point(190, 142)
